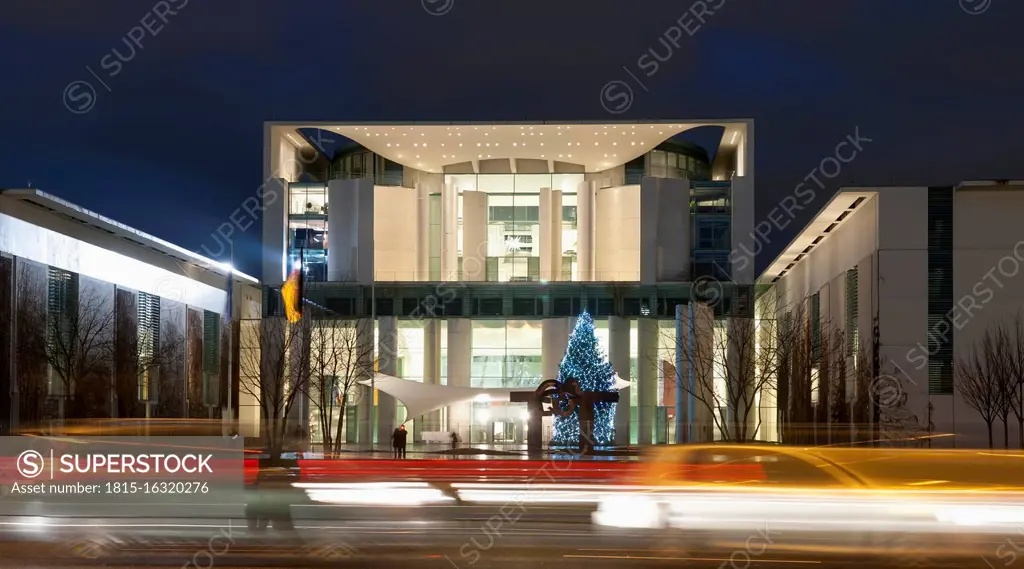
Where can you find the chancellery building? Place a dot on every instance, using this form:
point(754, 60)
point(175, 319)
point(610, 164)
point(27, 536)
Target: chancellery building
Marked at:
point(472, 247)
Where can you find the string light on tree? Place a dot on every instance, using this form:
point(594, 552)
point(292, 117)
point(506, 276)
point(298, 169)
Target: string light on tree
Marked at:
point(585, 362)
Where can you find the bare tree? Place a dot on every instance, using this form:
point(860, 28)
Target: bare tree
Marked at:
point(1002, 369)
point(170, 385)
point(341, 355)
point(834, 362)
point(729, 371)
point(978, 377)
point(30, 354)
point(864, 410)
point(1015, 360)
point(274, 370)
point(78, 349)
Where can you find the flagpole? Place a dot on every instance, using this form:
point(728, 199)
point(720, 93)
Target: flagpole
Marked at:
point(373, 368)
point(231, 335)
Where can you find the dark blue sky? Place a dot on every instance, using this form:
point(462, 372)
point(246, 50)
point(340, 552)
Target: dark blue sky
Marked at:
point(175, 145)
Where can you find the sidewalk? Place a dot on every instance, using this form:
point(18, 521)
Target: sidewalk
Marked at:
point(426, 451)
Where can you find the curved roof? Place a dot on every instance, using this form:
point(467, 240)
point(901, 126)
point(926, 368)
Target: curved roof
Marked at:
point(420, 398)
point(595, 146)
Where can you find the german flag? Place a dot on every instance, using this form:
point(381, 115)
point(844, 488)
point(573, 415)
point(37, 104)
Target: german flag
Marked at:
point(292, 293)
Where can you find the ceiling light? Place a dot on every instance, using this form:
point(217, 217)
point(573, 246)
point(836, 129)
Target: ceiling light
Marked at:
point(514, 144)
point(570, 156)
point(415, 144)
point(487, 134)
point(613, 144)
point(478, 144)
point(596, 143)
point(417, 156)
point(542, 144)
point(460, 144)
point(389, 144)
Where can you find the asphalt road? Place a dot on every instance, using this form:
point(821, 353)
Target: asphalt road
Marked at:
point(447, 537)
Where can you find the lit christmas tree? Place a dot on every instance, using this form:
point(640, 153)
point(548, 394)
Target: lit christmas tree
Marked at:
point(585, 362)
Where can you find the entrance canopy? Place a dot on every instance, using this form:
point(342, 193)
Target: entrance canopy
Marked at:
point(421, 398)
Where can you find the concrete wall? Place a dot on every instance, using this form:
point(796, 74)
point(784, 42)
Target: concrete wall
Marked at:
point(396, 233)
point(852, 242)
point(988, 287)
point(23, 239)
point(617, 231)
point(664, 230)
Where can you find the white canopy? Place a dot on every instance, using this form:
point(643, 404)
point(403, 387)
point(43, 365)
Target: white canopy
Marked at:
point(421, 398)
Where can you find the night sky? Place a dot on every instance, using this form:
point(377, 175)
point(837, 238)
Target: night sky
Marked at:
point(175, 145)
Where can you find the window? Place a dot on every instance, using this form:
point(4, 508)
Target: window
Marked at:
point(815, 323)
point(852, 315)
point(211, 357)
point(711, 264)
point(711, 232)
point(307, 200)
point(148, 318)
point(940, 290)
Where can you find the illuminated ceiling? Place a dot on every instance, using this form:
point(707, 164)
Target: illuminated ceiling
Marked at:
point(430, 147)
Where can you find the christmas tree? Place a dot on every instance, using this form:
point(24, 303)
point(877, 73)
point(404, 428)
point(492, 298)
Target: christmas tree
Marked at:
point(585, 363)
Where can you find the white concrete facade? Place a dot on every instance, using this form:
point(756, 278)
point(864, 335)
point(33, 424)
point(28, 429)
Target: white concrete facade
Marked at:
point(510, 203)
point(618, 235)
point(884, 235)
point(113, 268)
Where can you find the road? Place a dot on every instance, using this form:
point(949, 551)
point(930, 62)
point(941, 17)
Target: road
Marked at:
point(437, 537)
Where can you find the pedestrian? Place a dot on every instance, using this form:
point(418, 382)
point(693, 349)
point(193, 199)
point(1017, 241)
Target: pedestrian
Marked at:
point(394, 441)
point(400, 437)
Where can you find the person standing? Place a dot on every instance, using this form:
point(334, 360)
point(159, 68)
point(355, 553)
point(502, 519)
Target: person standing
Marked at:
point(394, 442)
point(400, 439)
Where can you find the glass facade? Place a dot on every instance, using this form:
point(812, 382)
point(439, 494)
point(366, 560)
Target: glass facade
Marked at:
point(307, 229)
point(668, 164)
point(507, 353)
point(513, 222)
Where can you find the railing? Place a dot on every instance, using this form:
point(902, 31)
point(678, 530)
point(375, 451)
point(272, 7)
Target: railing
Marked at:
point(455, 276)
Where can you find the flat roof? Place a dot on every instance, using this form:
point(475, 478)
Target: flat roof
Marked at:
point(107, 225)
point(430, 146)
point(844, 203)
point(832, 215)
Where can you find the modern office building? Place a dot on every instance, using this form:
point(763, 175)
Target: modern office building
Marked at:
point(100, 320)
point(472, 247)
point(914, 276)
